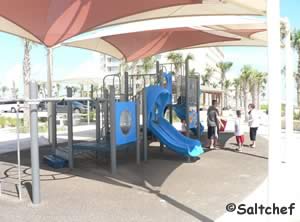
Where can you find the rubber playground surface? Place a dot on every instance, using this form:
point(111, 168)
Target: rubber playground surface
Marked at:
point(165, 188)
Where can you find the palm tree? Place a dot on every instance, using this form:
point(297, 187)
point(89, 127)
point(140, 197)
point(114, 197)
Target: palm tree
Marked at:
point(178, 59)
point(81, 90)
point(208, 73)
point(57, 89)
point(214, 85)
point(253, 86)
point(227, 85)
point(237, 86)
point(26, 78)
point(296, 46)
point(4, 89)
point(148, 63)
point(224, 68)
point(246, 74)
point(261, 78)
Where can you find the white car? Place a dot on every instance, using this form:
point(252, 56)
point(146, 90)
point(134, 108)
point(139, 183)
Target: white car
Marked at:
point(11, 106)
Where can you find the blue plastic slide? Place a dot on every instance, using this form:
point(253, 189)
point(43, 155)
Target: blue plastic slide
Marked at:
point(157, 99)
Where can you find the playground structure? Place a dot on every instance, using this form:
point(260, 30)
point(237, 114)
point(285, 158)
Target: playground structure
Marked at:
point(118, 127)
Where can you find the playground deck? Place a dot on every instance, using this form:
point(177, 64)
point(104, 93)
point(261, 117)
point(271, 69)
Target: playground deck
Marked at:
point(165, 188)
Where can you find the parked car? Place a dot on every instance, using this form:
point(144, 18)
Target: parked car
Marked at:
point(78, 107)
point(92, 104)
point(11, 106)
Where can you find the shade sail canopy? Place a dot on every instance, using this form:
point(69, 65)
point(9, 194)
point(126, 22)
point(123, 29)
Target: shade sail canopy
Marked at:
point(53, 21)
point(136, 45)
point(207, 8)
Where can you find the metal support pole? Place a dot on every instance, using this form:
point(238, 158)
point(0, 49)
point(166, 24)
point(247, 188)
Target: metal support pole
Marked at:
point(97, 121)
point(126, 85)
point(53, 126)
point(70, 129)
point(158, 71)
point(138, 149)
point(49, 92)
point(171, 113)
point(113, 152)
point(18, 151)
point(145, 129)
point(88, 112)
point(289, 91)
point(34, 150)
point(187, 107)
point(106, 116)
point(274, 85)
point(198, 105)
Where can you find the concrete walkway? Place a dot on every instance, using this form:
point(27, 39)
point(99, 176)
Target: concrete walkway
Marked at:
point(165, 188)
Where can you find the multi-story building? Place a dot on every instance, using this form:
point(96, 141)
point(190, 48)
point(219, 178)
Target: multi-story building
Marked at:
point(203, 58)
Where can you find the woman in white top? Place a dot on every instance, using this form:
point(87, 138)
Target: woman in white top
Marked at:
point(253, 123)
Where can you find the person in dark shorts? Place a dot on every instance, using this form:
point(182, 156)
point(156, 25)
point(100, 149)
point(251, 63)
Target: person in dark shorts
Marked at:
point(213, 124)
point(253, 123)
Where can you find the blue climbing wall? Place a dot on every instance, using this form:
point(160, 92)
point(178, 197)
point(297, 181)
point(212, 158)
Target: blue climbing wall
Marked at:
point(125, 127)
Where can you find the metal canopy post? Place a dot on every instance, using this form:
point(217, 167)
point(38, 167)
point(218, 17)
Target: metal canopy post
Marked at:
point(198, 106)
point(34, 150)
point(145, 134)
point(106, 116)
point(138, 149)
point(97, 121)
point(289, 91)
point(113, 152)
point(18, 151)
point(49, 92)
point(70, 129)
point(187, 107)
point(274, 82)
point(126, 85)
point(53, 126)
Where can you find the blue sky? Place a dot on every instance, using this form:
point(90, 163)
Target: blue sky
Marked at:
point(68, 61)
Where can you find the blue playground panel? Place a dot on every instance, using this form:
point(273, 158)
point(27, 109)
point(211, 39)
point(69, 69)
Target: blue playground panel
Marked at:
point(130, 136)
point(55, 161)
point(180, 112)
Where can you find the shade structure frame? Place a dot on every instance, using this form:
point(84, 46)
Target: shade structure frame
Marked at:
point(52, 23)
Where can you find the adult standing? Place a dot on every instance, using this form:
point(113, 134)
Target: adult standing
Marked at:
point(213, 124)
point(253, 123)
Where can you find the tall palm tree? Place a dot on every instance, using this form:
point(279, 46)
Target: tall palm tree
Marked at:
point(178, 59)
point(148, 63)
point(57, 89)
point(253, 86)
point(224, 68)
point(4, 89)
point(246, 73)
point(206, 78)
point(261, 78)
point(237, 86)
point(296, 46)
point(26, 78)
point(227, 85)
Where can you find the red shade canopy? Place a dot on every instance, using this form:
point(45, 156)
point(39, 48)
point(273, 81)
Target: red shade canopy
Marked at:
point(53, 21)
point(138, 45)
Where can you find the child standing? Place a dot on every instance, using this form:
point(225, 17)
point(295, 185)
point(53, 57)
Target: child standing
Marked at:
point(238, 131)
